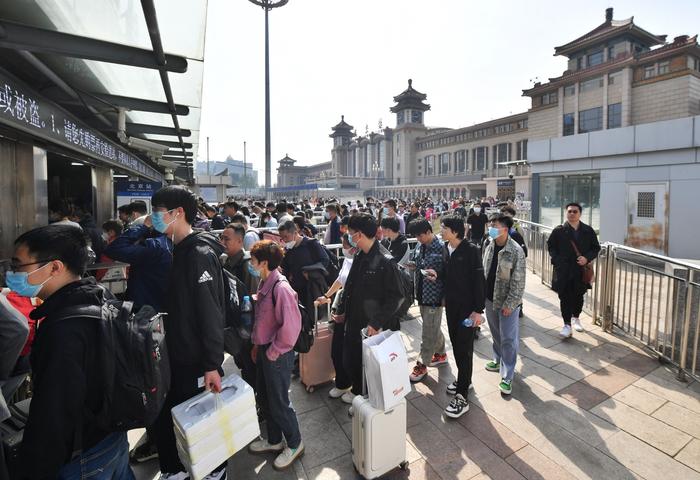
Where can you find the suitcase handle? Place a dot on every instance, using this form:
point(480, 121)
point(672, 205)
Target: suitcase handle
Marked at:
point(328, 306)
point(218, 399)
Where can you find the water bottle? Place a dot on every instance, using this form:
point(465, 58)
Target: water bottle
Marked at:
point(468, 322)
point(247, 316)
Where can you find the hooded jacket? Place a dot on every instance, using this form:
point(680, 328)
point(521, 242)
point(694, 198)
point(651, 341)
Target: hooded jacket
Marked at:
point(66, 381)
point(464, 282)
point(195, 304)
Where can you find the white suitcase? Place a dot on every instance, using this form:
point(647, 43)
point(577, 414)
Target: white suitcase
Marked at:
point(378, 438)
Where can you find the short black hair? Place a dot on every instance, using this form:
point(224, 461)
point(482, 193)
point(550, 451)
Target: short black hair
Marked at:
point(239, 218)
point(233, 205)
point(345, 220)
point(139, 206)
point(281, 207)
point(419, 226)
point(126, 208)
point(365, 223)
point(503, 219)
point(334, 207)
point(209, 208)
point(288, 226)
point(113, 225)
point(237, 228)
point(391, 202)
point(268, 250)
point(290, 206)
point(174, 196)
point(454, 223)
point(391, 223)
point(575, 204)
point(508, 209)
point(58, 242)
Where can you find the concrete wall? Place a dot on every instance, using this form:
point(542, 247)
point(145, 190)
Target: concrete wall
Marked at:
point(661, 100)
point(543, 123)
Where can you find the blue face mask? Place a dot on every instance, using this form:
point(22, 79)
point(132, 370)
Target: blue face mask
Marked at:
point(252, 270)
point(494, 233)
point(352, 242)
point(385, 211)
point(18, 282)
point(158, 222)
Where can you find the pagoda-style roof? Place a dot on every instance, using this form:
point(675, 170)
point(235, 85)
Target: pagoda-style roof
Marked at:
point(609, 29)
point(410, 98)
point(343, 129)
point(287, 160)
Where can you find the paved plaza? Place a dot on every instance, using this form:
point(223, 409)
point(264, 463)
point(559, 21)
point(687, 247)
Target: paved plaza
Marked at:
point(595, 406)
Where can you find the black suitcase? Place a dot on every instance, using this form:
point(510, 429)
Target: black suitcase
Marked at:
point(11, 432)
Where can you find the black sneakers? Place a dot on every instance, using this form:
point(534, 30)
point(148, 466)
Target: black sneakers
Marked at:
point(457, 407)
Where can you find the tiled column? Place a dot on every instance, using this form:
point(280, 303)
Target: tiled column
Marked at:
point(626, 79)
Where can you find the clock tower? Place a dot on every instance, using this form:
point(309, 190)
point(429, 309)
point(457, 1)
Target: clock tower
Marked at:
point(409, 109)
point(342, 136)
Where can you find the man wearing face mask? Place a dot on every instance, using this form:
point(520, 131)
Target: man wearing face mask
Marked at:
point(389, 211)
point(394, 241)
point(196, 316)
point(504, 268)
point(477, 224)
point(48, 263)
point(332, 235)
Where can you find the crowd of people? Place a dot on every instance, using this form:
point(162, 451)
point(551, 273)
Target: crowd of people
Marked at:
point(468, 262)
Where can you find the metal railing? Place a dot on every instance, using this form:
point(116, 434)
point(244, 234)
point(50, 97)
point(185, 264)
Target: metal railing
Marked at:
point(652, 298)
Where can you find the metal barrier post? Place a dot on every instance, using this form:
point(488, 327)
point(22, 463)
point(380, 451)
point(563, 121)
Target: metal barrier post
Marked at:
point(686, 330)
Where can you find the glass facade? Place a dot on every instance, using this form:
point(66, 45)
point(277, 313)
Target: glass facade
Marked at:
point(556, 191)
point(590, 120)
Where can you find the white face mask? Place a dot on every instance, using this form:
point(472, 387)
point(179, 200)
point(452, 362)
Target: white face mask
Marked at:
point(105, 236)
point(290, 245)
point(477, 211)
point(450, 249)
point(348, 253)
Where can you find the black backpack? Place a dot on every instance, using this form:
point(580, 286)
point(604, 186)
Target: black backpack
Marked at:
point(333, 266)
point(133, 361)
point(306, 335)
point(235, 333)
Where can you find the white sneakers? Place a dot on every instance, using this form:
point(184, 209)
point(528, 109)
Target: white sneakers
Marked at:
point(566, 331)
point(261, 445)
point(285, 459)
point(577, 324)
point(348, 397)
point(337, 392)
point(174, 476)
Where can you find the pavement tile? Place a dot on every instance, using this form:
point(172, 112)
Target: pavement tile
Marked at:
point(579, 458)
point(246, 466)
point(531, 371)
point(574, 369)
point(546, 356)
point(645, 460)
point(542, 338)
point(690, 455)
point(610, 379)
point(302, 401)
point(583, 395)
point(441, 453)
point(533, 465)
point(652, 431)
point(418, 470)
point(340, 468)
point(491, 432)
point(670, 389)
point(679, 417)
point(637, 364)
point(640, 399)
point(487, 460)
point(434, 413)
point(323, 438)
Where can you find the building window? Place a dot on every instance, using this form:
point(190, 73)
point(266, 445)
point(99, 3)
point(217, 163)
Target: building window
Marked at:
point(400, 117)
point(664, 67)
point(649, 71)
point(579, 63)
point(570, 90)
point(521, 150)
point(611, 52)
point(549, 98)
point(501, 153)
point(444, 163)
point(416, 116)
point(430, 165)
point(557, 191)
point(595, 58)
point(481, 155)
point(614, 77)
point(696, 64)
point(568, 124)
point(590, 120)
point(615, 115)
point(646, 204)
point(461, 161)
point(591, 84)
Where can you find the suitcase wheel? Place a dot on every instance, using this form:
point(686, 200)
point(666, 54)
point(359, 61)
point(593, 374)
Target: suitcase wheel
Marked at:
point(403, 465)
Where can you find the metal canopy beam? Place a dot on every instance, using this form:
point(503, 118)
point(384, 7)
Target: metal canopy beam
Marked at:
point(178, 153)
point(176, 145)
point(129, 103)
point(16, 36)
point(137, 128)
point(177, 159)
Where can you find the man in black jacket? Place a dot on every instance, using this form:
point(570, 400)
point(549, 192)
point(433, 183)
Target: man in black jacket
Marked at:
point(196, 316)
point(371, 296)
point(393, 240)
point(464, 302)
point(563, 244)
point(62, 438)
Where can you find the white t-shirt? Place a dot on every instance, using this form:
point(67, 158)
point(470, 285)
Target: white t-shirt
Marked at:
point(345, 271)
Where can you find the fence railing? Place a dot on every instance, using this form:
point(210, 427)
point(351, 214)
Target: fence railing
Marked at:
point(653, 298)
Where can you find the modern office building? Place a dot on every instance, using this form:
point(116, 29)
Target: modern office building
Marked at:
point(240, 174)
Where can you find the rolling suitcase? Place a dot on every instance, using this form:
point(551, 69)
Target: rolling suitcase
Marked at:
point(316, 366)
point(378, 437)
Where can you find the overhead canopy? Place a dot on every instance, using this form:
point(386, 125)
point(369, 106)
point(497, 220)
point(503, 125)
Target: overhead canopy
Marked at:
point(94, 57)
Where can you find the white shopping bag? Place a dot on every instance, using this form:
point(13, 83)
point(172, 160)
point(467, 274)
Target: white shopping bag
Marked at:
point(386, 369)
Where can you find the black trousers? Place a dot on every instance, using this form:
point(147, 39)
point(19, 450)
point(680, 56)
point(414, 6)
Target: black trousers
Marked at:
point(571, 303)
point(246, 365)
point(352, 360)
point(462, 339)
point(183, 386)
point(342, 378)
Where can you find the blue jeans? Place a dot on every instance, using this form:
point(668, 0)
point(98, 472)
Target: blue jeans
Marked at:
point(273, 379)
point(107, 460)
point(504, 331)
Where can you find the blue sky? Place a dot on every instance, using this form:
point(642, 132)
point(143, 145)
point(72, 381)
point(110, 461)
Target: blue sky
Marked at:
point(333, 57)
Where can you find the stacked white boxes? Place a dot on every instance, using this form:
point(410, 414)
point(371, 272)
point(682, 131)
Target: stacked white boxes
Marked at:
point(210, 428)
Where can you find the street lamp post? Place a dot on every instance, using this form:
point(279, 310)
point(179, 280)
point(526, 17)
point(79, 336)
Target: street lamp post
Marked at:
point(268, 5)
